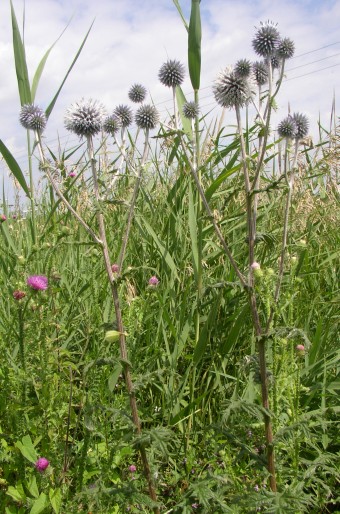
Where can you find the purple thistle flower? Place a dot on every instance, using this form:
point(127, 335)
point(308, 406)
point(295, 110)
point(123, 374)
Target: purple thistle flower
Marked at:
point(115, 268)
point(153, 281)
point(132, 468)
point(3, 218)
point(19, 295)
point(72, 174)
point(38, 282)
point(41, 464)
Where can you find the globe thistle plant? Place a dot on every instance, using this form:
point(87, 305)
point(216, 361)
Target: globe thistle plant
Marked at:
point(171, 73)
point(301, 124)
point(286, 48)
point(32, 117)
point(112, 124)
point(266, 39)
point(85, 117)
point(287, 128)
point(275, 61)
point(260, 71)
point(243, 68)
point(231, 90)
point(147, 117)
point(137, 93)
point(124, 114)
point(190, 110)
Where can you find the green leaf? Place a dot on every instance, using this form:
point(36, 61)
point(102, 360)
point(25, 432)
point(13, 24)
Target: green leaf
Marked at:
point(193, 233)
point(17, 493)
point(50, 107)
point(179, 9)
point(233, 335)
point(14, 167)
point(41, 65)
point(55, 499)
point(204, 334)
point(181, 100)
point(194, 44)
point(32, 487)
point(40, 504)
point(20, 62)
point(27, 449)
point(113, 378)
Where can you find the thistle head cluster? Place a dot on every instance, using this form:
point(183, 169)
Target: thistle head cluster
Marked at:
point(286, 48)
point(124, 114)
point(266, 39)
point(85, 117)
point(260, 71)
point(243, 68)
point(294, 126)
point(147, 117)
point(32, 117)
point(137, 93)
point(112, 124)
point(190, 110)
point(232, 90)
point(171, 73)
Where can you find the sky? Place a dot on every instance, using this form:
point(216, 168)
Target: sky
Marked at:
point(131, 39)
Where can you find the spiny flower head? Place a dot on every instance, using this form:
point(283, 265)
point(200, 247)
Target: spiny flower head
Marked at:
point(32, 117)
point(243, 68)
point(115, 268)
point(266, 39)
point(153, 281)
point(112, 124)
point(38, 282)
point(275, 61)
point(19, 295)
point(41, 464)
point(302, 125)
point(260, 71)
point(147, 117)
point(171, 73)
point(137, 93)
point(132, 468)
point(190, 110)
point(231, 90)
point(85, 117)
point(286, 48)
point(287, 128)
point(124, 114)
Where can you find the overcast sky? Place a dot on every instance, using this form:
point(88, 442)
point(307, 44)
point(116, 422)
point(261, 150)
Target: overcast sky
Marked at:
point(131, 39)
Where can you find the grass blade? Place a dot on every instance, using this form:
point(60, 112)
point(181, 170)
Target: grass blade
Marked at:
point(194, 45)
point(14, 167)
point(20, 62)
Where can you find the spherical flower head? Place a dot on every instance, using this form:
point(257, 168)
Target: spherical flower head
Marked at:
point(171, 73)
point(3, 218)
point(275, 61)
point(190, 110)
point(147, 117)
point(302, 125)
point(132, 468)
point(41, 464)
point(137, 93)
point(243, 68)
point(266, 39)
point(153, 281)
point(124, 114)
point(256, 270)
point(112, 124)
point(19, 295)
point(38, 282)
point(260, 71)
point(286, 48)
point(300, 349)
point(115, 268)
point(85, 117)
point(32, 117)
point(231, 90)
point(287, 128)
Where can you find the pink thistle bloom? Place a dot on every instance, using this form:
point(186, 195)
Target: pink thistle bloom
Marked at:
point(255, 266)
point(41, 464)
point(18, 295)
point(72, 174)
point(300, 349)
point(38, 282)
point(153, 281)
point(3, 218)
point(115, 268)
point(132, 468)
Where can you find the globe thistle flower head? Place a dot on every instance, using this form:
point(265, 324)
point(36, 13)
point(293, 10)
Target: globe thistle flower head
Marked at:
point(32, 117)
point(112, 124)
point(147, 117)
point(41, 464)
point(190, 110)
point(286, 48)
point(85, 117)
point(231, 90)
point(301, 124)
point(287, 128)
point(171, 73)
point(137, 93)
point(38, 282)
point(266, 39)
point(275, 61)
point(124, 114)
point(260, 71)
point(243, 68)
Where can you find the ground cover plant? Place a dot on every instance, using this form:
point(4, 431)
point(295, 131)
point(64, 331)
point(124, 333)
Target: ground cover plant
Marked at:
point(170, 324)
